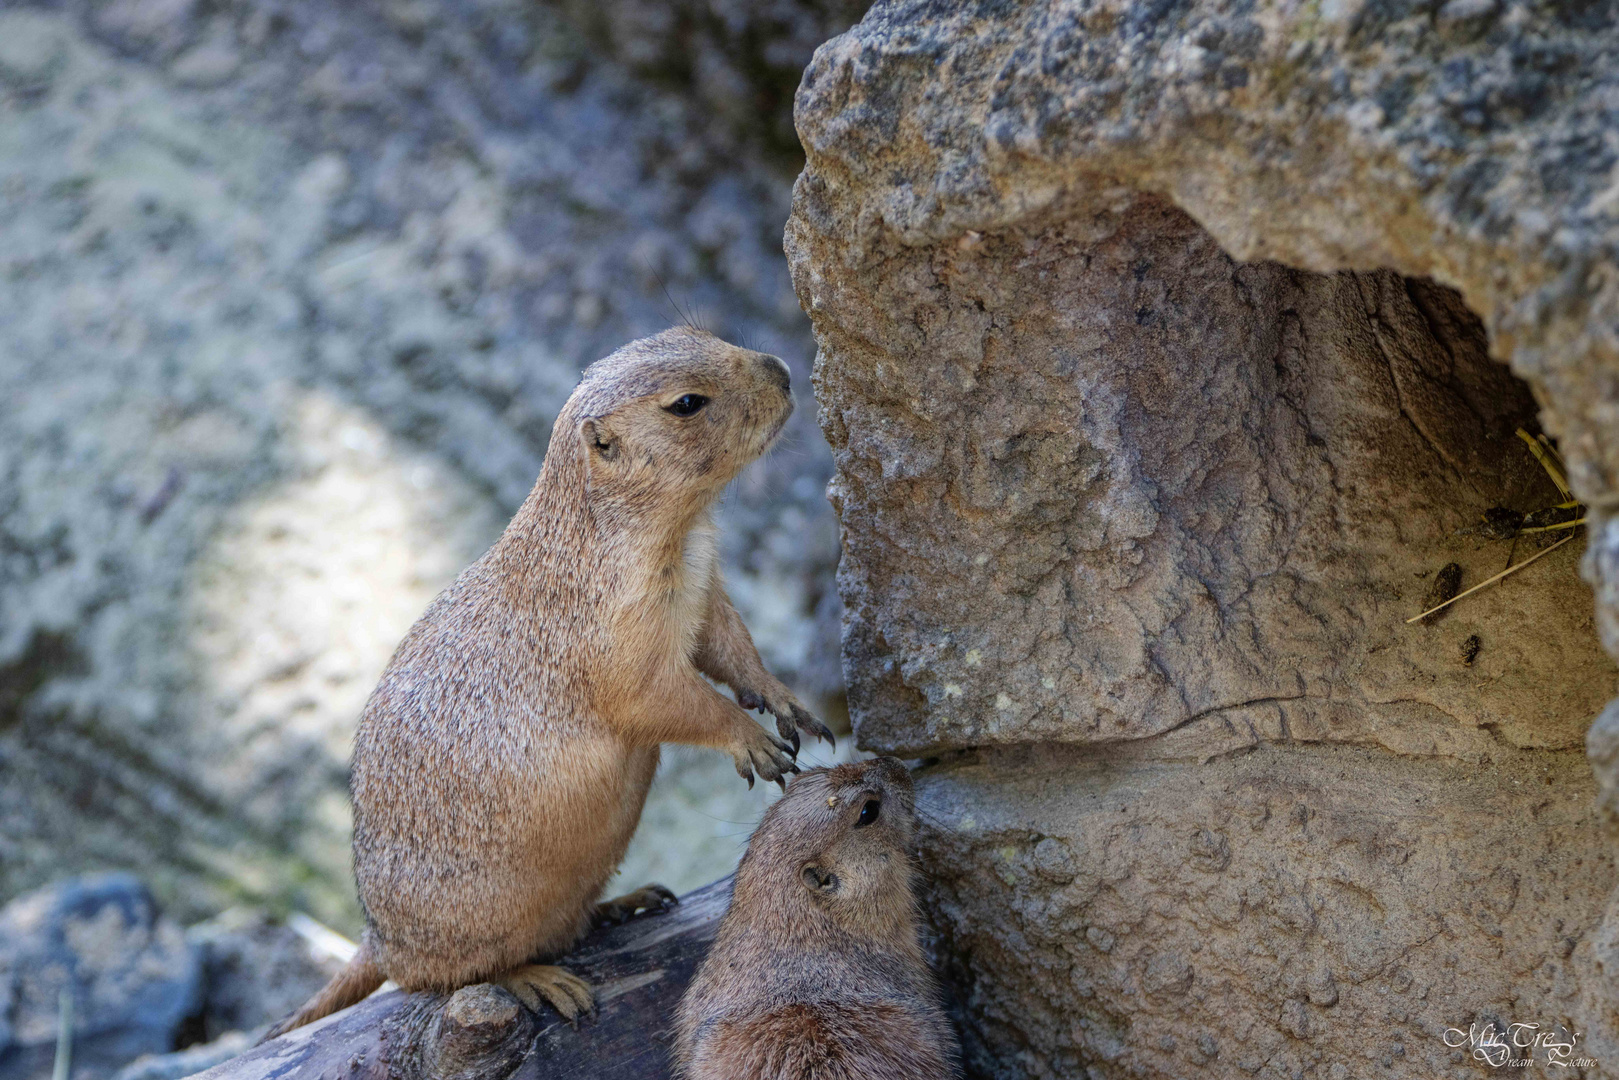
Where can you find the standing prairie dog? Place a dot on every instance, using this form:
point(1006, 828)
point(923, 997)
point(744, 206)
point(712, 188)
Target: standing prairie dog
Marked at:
point(502, 761)
point(817, 973)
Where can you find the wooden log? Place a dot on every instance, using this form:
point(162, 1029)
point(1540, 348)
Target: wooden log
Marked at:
point(639, 970)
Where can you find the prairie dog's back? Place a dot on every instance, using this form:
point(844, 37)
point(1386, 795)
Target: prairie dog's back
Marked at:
point(823, 1040)
point(475, 681)
point(817, 973)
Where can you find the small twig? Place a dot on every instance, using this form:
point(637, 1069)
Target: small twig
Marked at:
point(1491, 581)
point(64, 1035)
point(1551, 448)
point(1543, 453)
point(1550, 528)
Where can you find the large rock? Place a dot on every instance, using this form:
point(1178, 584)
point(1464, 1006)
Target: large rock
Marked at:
point(1296, 911)
point(256, 972)
point(1128, 488)
point(1103, 485)
point(130, 978)
point(292, 293)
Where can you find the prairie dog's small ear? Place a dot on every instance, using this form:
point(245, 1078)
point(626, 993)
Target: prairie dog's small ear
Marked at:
point(818, 880)
point(595, 436)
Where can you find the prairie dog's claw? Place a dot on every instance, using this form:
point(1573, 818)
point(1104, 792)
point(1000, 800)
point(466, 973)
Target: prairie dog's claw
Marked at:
point(758, 752)
point(649, 899)
point(803, 718)
point(791, 716)
point(564, 991)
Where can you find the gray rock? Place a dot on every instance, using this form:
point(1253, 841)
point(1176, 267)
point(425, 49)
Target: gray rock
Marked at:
point(1102, 485)
point(256, 971)
point(187, 1062)
point(293, 292)
point(740, 58)
point(132, 976)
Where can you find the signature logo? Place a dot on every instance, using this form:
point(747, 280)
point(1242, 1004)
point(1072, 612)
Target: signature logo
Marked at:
point(1517, 1045)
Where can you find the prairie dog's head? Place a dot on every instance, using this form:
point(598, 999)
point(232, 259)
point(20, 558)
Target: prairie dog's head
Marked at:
point(839, 842)
point(664, 423)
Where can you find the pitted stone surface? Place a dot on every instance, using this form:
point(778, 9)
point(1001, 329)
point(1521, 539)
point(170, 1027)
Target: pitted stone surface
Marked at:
point(1275, 914)
point(1100, 482)
point(1469, 143)
point(1102, 485)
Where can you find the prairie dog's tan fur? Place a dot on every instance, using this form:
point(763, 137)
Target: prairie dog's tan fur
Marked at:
point(502, 762)
point(817, 973)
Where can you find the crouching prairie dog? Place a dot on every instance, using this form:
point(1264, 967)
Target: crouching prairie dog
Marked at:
point(817, 973)
point(501, 763)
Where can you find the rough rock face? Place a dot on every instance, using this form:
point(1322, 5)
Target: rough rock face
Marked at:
point(1139, 489)
point(1298, 911)
point(130, 973)
point(292, 293)
point(1102, 485)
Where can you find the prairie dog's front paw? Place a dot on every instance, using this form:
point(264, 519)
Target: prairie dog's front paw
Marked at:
point(757, 751)
point(791, 716)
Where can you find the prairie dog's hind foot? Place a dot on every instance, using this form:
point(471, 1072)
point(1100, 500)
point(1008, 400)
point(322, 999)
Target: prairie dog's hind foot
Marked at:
point(558, 987)
point(649, 899)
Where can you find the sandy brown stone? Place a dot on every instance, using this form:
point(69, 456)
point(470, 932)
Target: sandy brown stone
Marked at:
point(1156, 359)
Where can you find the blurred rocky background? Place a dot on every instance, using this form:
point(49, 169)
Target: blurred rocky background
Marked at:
point(95, 958)
point(292, 291)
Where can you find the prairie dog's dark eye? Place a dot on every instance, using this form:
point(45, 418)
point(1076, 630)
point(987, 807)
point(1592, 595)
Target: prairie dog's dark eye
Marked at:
point(686, 404)
point(868, 813)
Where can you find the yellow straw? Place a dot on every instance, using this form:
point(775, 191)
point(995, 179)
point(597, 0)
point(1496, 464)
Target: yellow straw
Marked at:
point(1544, 457)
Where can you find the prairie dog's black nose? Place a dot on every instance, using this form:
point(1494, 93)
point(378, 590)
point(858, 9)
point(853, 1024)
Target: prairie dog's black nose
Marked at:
point(778, 370)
